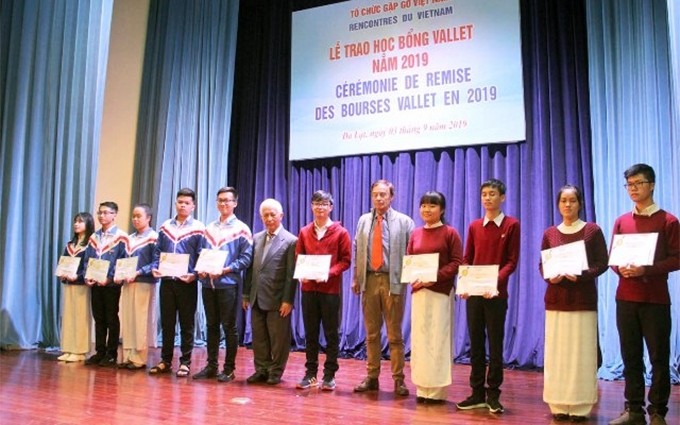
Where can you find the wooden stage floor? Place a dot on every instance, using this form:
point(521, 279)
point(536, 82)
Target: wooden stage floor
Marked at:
point(37, 389)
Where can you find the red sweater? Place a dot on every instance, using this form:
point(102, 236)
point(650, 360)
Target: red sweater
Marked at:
point(652, 286)
point(490, 244)
point(337, 243)
point(582, 294)
point(444, 240)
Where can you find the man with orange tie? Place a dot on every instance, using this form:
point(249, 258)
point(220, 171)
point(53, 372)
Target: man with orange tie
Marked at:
point(379, 248)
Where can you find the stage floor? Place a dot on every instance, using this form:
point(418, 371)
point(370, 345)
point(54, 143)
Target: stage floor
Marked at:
point(37, 389)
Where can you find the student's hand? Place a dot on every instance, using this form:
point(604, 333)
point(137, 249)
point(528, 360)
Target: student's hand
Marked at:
point(90, 282)
point(464, 295)
point(131, 279)
point(570, 277)
point(71, 277)
point(203, 275)
point(489, 295)
point(155, 273)
point(215, 276)
point(187, 278)
point(245, 304)
point(102, 283)
point(226, 270)
point(355, 287)
point(632, 271)
point(285, 309)
point(417, 284)
point(557, 279)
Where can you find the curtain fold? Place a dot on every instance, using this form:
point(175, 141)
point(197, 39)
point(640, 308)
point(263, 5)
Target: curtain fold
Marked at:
point(556, 151)
point(53, 58)
point(634, 73)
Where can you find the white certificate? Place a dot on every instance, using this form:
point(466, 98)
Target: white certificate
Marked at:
point(569, 258)
point(636, 249)
point(125, 268)
point(477, 280)
point(312, 267)
point(173, 265)
point(97, 270)
point(68, 266)
point(421, 267)
point(211, 261)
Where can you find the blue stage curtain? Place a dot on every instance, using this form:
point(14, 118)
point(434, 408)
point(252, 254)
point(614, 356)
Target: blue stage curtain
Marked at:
point(185, 107)
point(53, 59)
point(634, 119)
point(556, 151)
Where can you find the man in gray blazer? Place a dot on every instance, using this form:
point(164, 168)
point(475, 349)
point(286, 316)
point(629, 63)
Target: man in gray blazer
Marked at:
point(379, 248)
point(269, 291)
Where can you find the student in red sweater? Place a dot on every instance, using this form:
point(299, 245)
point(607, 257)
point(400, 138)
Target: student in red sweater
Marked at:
point(643, 305)
point(570, 367)
point(493, 239)
point(321, 299)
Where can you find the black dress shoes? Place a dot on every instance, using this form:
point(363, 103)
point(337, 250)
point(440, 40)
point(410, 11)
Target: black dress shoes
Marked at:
point(368, 384)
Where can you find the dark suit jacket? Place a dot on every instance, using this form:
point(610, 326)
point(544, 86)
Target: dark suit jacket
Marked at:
point(269, 280)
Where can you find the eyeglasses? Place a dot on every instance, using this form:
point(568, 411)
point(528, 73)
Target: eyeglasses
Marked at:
point(225, 201)
point(321, 204)
point(635, 185)
point(105, 212)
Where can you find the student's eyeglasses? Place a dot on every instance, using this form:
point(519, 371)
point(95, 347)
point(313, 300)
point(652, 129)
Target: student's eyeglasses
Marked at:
point(635, 185)
point(105, 212)
point(321, 204)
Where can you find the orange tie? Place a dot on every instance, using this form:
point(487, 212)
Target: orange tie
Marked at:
point(376, 245)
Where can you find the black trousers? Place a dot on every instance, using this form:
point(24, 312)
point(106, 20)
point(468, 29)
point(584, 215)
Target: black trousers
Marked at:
point(651, 324)
point(105, 301)
point(177, 298)
point(220, 312)
point(486, 317)
point(318, 310)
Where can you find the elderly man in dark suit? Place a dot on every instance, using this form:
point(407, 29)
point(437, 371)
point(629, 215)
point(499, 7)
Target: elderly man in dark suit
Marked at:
point(269, 291)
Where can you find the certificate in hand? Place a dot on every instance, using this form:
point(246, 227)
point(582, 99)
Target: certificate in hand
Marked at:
point(68, 266)
point(569, 258)
point(477, 280)
point(97, 270)
point(421, 267)
point(312, 267)
point(211, 261)
point(125, 268)
point(173, 265)
point(636, 249)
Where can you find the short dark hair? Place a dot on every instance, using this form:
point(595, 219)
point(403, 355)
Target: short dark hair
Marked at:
point(185, 191)
point(322, 196)
point(387, 183)
point(494, 184)
point(109, 204)
point(146, 207)
point(435, 198)
point(228, 189)
point(577, 191)
point(643, 169)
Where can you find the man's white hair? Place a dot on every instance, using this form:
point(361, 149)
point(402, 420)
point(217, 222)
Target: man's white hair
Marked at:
point(271, 203)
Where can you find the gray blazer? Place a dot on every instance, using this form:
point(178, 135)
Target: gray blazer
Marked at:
point(269, 280)
point(400, 227)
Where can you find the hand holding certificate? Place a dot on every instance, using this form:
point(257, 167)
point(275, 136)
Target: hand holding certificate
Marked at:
point(211, 261)
point(633, 249)
point(312, 267)
point(67, 267)
point(126, 269)
point(567, 259)
point(97, 271)
point(477, 280)
point(173, 265)
point(421, 267)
